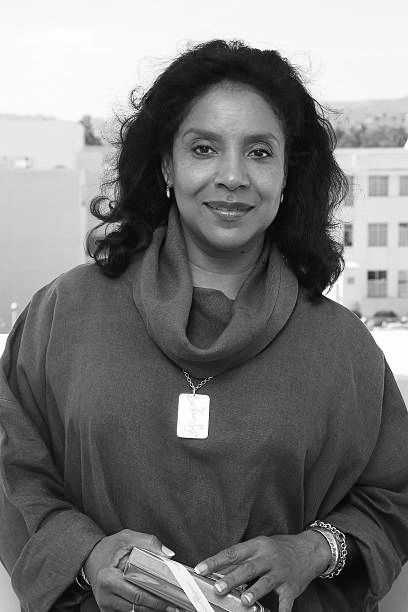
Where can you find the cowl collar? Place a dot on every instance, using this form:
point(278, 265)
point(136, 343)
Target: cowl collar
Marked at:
point(163, 294)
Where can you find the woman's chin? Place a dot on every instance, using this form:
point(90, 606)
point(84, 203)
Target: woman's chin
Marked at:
point(232, 244)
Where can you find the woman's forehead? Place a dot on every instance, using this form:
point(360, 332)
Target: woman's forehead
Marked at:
point(232, 107)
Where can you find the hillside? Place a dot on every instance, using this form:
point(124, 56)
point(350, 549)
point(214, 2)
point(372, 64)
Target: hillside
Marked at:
point(363, 110)
point(370, 123)
point(362, 123)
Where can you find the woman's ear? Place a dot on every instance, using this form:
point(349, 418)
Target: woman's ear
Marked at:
point(167, 170)
point(285, 176)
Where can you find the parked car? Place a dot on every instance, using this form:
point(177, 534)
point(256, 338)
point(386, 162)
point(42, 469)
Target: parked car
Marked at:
point(382, 319)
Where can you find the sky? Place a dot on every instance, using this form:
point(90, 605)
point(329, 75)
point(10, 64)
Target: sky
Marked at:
point(68, 59)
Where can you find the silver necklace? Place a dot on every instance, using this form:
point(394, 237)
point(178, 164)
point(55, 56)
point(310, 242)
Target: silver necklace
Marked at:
point(193, 411)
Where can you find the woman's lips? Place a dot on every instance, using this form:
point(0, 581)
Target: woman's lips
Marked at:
point(228, 210)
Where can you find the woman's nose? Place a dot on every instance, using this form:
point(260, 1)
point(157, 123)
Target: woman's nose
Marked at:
point(232, 172)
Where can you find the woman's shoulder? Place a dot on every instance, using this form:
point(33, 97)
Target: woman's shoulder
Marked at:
point(337, 326)
point(82, 279)
point(340, 349)
point(79, 294)
point(83, 286)
point(337, 313)
point(83, 276)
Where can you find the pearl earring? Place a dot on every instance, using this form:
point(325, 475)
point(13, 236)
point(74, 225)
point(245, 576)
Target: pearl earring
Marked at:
point(168, 190)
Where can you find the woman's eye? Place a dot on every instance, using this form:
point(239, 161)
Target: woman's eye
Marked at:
point(202, 149)
point(260, 153)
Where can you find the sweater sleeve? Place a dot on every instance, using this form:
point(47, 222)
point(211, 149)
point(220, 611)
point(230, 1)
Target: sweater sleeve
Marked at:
point(44, 539)
point(375, 512)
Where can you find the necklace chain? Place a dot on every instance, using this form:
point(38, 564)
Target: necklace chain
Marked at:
point(200, 384)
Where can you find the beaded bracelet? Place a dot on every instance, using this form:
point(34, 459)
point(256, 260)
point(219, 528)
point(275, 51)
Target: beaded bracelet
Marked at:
point(337, 542)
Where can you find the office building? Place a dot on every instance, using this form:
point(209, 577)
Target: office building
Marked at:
point(375, 231)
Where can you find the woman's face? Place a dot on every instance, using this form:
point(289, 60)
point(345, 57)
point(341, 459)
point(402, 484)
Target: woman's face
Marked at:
point(228, 170)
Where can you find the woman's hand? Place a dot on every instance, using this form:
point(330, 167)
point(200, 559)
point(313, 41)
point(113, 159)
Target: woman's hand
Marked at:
point(104, 567)
point(285, 564)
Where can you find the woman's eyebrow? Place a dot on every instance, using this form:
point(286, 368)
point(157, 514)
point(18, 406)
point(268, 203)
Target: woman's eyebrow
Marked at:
point(201, 133)
point(210, 135)
point(262, 136)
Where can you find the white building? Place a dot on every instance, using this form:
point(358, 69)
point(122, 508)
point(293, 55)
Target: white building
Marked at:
point(94, 162)
point(375, 223)
point(42, 207)
point(39, 143)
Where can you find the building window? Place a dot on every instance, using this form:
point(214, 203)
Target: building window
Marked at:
point(22, 163)
point(377, 234)
point(348, 234)
point(378, 185)
point(377, 283)
point(403, 185)
point(349, 200)
point(402, 234)
point(403, 283)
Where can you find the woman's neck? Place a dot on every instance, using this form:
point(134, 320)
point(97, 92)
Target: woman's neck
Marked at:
point(229, 284)
point(226, 272)
point(224, 263)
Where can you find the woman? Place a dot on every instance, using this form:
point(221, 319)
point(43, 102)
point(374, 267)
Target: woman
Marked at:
point(209, 278)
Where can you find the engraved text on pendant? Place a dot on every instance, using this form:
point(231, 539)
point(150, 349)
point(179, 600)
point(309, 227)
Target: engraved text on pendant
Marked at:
point(193, 415)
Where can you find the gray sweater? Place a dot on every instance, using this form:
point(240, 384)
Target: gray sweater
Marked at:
point(310, 426)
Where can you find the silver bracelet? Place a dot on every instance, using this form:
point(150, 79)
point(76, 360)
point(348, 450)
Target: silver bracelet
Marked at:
point(82, 581)
point(337, 542)
point(332, 542)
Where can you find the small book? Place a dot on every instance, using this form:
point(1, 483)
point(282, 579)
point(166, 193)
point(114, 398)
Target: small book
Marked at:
point(180, 585)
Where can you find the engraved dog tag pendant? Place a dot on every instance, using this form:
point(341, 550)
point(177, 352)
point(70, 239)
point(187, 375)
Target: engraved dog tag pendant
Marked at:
point(193, 415)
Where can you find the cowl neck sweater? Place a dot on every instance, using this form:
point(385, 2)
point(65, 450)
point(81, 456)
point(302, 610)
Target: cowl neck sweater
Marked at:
point(163, 294)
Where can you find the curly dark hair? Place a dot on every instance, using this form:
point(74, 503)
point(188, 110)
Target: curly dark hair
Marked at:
point(304, 226)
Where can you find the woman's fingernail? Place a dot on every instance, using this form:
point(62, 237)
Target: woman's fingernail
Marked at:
point(220, 586)
point(167, 551)
point(248, 598)
point(201, 568)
